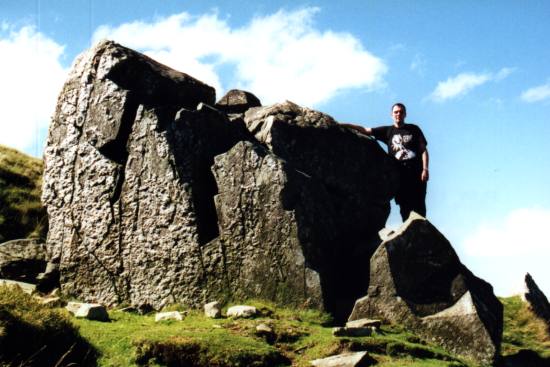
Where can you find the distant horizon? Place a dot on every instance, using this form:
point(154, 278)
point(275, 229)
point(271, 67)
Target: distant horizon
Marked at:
point(473, 75)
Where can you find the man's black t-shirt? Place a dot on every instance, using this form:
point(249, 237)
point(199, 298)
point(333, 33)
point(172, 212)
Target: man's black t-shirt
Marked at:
point(403, 142)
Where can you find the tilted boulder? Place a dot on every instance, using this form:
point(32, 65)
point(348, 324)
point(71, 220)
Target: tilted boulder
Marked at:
point(417, 280)
point(156, 197)
point(22, 260)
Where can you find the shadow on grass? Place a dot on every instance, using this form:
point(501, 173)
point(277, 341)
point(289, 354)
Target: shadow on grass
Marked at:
point(525, 357)
point(52, 343)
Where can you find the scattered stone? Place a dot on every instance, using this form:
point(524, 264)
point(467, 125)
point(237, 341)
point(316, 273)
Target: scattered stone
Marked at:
point(25, 287)
point(166, 316)
point(90, 311)
point(22, 260)
point(364, 323)
point(352, 331)
point(418, 281)
point(213, 310)
point(356, 359)
point(242, 311)
point(536, 299)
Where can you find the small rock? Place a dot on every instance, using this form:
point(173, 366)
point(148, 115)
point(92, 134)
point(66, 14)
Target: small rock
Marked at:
point(352, 331)
point(213, 310)
point(165, 316)
point(265, 331)
point(264, 328)
point(90, 311)
point(242, 311)
point(357, 359)
point(364, 323)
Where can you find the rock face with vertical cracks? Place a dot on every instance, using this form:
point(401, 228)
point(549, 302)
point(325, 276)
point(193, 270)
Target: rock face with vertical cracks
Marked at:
point(417, 280)
point(154, 196)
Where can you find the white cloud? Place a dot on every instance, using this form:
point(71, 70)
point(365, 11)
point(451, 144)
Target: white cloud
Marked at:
point(521, 232)
point(277, 57)
point(31, 76)
point(537, 94)
point(463, 83)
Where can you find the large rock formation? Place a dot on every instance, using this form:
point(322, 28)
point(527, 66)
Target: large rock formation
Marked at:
point(418, 280)
point(153, 196)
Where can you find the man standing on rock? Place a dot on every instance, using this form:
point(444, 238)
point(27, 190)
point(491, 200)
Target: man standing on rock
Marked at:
point(407, 144)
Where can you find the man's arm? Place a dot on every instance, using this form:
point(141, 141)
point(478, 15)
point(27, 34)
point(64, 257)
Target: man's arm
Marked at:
point(361, 129)
point(425, 176)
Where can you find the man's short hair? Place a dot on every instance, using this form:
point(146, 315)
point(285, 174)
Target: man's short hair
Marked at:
point(399, 104)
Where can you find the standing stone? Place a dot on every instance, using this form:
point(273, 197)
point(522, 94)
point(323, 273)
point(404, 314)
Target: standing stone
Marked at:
point(417, 280)
point(537, 300)
point(118, 201)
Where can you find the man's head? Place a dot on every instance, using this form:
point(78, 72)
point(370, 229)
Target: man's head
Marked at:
point(398, 113)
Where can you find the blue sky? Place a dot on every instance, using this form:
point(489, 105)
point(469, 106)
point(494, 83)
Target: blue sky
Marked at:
point(475, 75)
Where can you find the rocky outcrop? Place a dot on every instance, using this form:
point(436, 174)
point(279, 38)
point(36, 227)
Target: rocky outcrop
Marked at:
point(418, 280)
point(537, 300)
point(154, 196)
point(22, 260)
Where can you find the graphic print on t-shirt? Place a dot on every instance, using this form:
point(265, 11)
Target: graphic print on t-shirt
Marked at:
point(399, 149)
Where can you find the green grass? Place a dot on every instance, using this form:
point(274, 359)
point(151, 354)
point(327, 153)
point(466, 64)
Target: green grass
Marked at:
point(523, 330)
point(21, 212)
point(299, 336)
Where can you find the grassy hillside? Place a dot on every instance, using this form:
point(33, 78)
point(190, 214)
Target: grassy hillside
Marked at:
point(297, 336)
point(21, 213)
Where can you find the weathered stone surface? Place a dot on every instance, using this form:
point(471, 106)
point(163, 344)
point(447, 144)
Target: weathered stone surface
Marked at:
point(242, 311)
point(153, 201)
point(342, 200)
point(90, 311)
point(537, 299)
point(418, 280)
point(167, 316)
point(237, 101)
point(356, 359)
point(212, 310)
point(22, 260)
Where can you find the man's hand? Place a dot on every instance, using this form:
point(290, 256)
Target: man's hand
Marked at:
point(425, 176)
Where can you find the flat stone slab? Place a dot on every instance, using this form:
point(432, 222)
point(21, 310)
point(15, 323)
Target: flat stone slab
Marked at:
point(357, 359)
point(242, 311)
